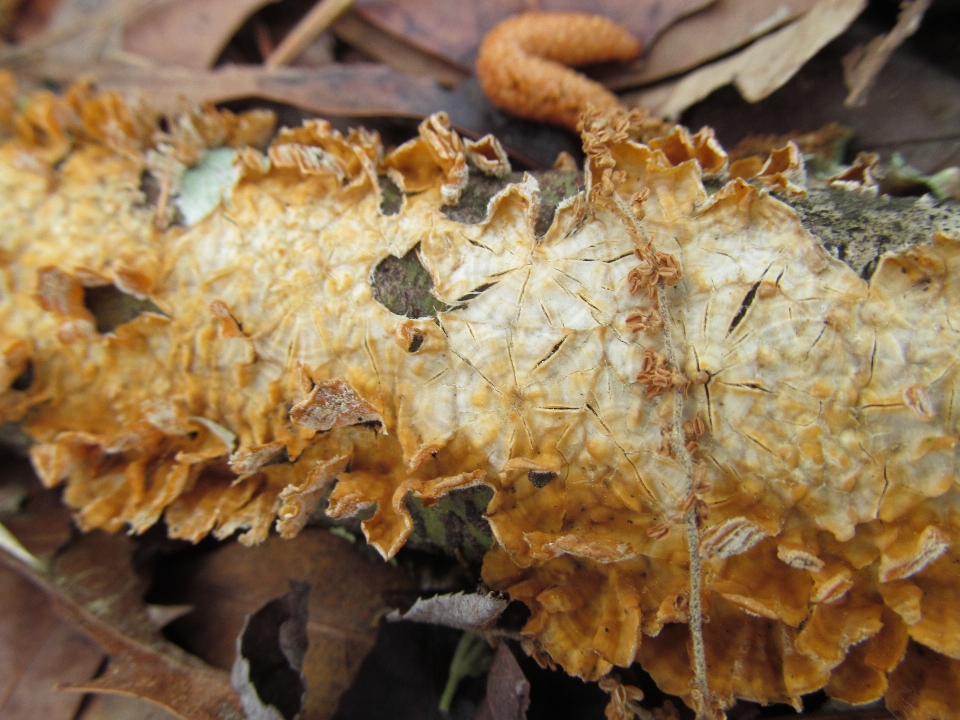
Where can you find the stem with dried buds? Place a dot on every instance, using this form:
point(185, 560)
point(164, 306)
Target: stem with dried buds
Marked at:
point(679, 447)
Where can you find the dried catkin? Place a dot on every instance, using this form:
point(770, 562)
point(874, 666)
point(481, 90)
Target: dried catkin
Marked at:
point(521, 64)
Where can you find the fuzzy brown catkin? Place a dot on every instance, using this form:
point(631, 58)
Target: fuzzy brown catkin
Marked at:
point(522, 64)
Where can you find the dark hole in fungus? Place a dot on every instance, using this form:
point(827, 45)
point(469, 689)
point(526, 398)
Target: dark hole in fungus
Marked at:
point(281, 458)
point(111, 307)
point(391, 197)
point(867, 272)
point(555, 187)
point(402, 286)
point(416, 343)
point(24, 380)
point(540, 478)
point(150, 188)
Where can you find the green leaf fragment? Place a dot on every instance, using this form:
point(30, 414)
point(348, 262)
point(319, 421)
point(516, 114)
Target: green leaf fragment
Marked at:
point(207, 183)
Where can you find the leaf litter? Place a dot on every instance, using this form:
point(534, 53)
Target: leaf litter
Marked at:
point(347, 599)
point(268, 669)
point(38, 650)
point(93, 587)
point(188, 33)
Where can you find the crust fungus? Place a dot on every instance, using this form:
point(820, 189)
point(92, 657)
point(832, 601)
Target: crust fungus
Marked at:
point(772, 461)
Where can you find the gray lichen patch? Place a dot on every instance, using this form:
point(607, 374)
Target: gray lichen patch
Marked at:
point(555, 187)
point(858, 228)
point(391, 197)
point(403, 286)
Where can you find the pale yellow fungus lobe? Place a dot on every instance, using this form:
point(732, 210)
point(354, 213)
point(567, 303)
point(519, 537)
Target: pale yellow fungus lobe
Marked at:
point(815, 450)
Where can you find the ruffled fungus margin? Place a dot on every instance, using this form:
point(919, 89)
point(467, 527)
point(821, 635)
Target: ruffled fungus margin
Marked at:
point(663, 370)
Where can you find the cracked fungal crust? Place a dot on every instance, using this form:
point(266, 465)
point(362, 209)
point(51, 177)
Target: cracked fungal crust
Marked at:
point(822, 410)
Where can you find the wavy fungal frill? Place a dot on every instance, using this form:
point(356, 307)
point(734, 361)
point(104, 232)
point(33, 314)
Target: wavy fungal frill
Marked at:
point(659, 351)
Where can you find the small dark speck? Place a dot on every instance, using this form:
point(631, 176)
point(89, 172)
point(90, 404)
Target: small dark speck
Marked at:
point(24, 380)
point(540, 479)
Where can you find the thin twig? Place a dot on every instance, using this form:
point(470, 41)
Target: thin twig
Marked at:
point(863, 64)
point(261, 33)
point(10, 544)
point(307, 30)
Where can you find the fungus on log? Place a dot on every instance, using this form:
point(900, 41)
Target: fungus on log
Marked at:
point(659, 359)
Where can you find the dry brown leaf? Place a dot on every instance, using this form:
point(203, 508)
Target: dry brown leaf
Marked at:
point(122, 707)
point(346, 601)
point(268, 669)
point(508, 691)
point(703, 36)
point(371, 40)
point(32, 18)
point(93, 587)
point(454, 30)
point(472, 611)
point(759, 69)
point(863, 64)
point(8, 15)
point(356, 89)
point(38, 651)
point(80, 34)
point(188, 33)
point(337, 89)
